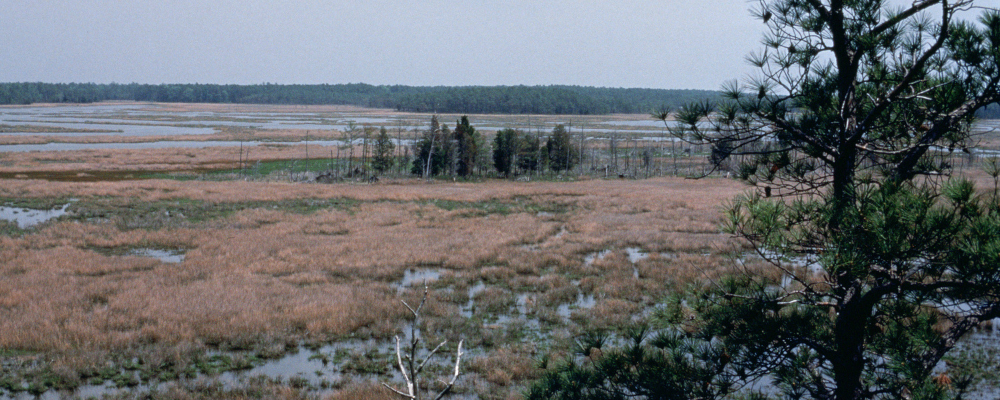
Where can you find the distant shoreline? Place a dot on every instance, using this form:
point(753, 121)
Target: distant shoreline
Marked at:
point(551, 100)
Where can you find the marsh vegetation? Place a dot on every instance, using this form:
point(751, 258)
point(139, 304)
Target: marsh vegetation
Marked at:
point(218, 272)
point(273, 269)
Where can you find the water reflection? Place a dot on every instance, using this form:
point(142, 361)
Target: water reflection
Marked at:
point(27, 217)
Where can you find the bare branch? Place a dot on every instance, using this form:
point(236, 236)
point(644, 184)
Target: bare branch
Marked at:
point(431, 354)
point(412, 376)
point(405, 395)
point(454, 377)
point(402, 370)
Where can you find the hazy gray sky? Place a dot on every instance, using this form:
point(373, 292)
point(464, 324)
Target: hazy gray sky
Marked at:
point(688, 44)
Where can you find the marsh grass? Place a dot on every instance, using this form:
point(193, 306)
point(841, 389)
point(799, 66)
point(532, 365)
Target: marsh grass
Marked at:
point(10, 228)
point(272, 266)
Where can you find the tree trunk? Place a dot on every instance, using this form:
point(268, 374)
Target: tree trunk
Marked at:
point(843, 195)
point(849, 361)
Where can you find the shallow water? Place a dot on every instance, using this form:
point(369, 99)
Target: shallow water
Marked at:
point(583, 302)
point(130, 146)
point(303, 365)
point(636, 254)
point(26, 217)
point(125, 130)
point(470, 305)
point(413, 277)
point(300, 365)
point(590, 258)
point(650, 123)
point(168, 144)
point(166, 256)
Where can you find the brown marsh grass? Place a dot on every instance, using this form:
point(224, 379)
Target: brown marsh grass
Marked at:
point(154, 160)
point(268, 277)
point(221, 134)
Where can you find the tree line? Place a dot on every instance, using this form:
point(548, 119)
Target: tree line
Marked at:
point(577, 100)
point(464, 151)
point(460, 152)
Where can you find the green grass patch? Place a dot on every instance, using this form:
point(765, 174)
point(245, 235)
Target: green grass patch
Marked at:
point(133, 214)
point(10, 228)
point(35, 203)
point(501, 207)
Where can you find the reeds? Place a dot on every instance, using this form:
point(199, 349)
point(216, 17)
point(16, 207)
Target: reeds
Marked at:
point(264, 270)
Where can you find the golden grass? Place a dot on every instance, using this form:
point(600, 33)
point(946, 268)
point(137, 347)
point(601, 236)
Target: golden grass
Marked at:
point(266, 278)
point(506, 365)
point(362, 391)
point(262, 271)
point(153, 160)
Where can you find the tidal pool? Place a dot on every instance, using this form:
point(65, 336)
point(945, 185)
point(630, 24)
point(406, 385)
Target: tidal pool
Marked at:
point(166, 256)
point(27, 217)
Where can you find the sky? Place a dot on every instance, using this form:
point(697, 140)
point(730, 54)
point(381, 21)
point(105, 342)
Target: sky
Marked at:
point(665, 44)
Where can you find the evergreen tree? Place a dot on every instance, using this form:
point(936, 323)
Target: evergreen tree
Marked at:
point(561, 154)
point(466, 150)
point(882, 269)
point(433, 151)
point(484, 153)
point(504, 150)
point(528, 151)
point(445, 160)
point(384, 154)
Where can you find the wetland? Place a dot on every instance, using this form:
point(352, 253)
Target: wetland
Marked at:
point(206, 272)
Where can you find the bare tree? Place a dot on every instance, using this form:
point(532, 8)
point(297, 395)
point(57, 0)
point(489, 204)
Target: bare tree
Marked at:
point(409, 365)
point(350, 143)
point(435, 128)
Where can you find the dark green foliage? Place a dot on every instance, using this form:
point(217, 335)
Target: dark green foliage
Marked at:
point(423, 148)
point(504, 150)
point(903, 260)
point(912, 257)
point(894, 257)
point(546, 99)
point(560, 151)
point(383, 157)
point(529, 152)
point(445, 154)
point(855, 110)
point(435, 145)
point(466, 140)
point(667, 366)
point(872, 273)
point(354, 94)
point(467, 99)
point(720, 152)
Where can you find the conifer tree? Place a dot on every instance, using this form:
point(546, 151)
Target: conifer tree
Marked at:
point(466, 151)
point(561, 153)
point(505, 150)
point(885, 262)
point(384, 153)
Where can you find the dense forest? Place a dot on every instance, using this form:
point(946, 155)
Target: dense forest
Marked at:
point(575, 100)
point(466, 99)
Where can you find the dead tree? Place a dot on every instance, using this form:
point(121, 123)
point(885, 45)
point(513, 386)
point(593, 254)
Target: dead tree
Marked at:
point(410, 368)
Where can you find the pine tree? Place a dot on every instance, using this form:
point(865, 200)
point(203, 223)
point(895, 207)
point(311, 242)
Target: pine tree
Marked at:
point(504, 150)
point(466, 151)
point(885, 265)
point(384, 153)
point(561, 153)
